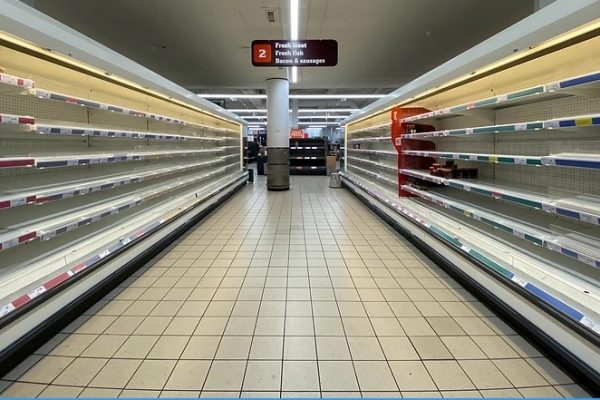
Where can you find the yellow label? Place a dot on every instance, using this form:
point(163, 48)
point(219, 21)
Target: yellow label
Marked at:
point(493, 159)
point(583, 121)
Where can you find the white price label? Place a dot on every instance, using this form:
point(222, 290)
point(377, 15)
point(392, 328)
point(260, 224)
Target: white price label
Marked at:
point(465, 248)
point(103, 106)
point(520, 161)
point(104, 253)
point(476, 217)
point(8, 79)
point(590, 219)
point(519, 281)
point(36, 292)
point(553, 124)
point(10, 119)
point(72, 162)
point(519, 234)
point(469, 131)
point(549, 208)
point(125, 241)
point(520, 127)
point(10, 243)
point(466, 188)
point(72, 226)
point(445, 133)
point(590, 323)
point(42, 94)
point(552, 87)
point(18, 202)
point(553, 246)
point(455, 156)
point(68, 195)
point(585, 259)
point(472, 157)
point(548, 161)
point(48, 235)
point(501, 98)
point(6, 309)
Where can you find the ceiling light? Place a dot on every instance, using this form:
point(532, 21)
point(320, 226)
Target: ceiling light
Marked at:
point(294, 96)
point(294, 74)
point(334, 110)
point(302, 110)
point(300, 117)
point(317, 126)
point(294, 19)
point(321, 116)
point(320, 123)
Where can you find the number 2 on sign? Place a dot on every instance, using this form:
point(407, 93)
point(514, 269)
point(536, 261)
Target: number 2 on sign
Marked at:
point(261, 53)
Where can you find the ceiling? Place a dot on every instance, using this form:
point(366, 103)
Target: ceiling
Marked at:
point(203, 45)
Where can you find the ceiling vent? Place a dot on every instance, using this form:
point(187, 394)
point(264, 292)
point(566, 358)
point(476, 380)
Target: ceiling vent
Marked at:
point(272, 15)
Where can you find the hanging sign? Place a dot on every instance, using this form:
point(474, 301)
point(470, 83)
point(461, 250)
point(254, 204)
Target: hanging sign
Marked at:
point(295, 53)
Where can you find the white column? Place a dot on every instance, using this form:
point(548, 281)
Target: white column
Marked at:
point(294, 113)
point(278, 129)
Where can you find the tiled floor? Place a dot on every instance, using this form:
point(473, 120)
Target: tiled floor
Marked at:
point(303, 293)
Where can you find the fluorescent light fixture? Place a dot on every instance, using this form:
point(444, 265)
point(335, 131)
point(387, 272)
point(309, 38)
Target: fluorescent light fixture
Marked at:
point(317, 126)
point(320, 123)
point(294, 74)
point(300, 117)
point(336, 96)
point(303, 110)
point(320, 116)
point(327, 110)
point(293, 96)
point(294, 18)
point(228, 96)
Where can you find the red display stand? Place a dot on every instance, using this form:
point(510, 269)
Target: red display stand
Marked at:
point(400, 128)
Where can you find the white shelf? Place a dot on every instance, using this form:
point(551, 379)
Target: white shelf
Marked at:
point(584, 208)
point(47, 227)
point(46, 272)
point(489, 158)
point(375, 163)
point(372, 139)
point(567, 87)
point(567, 123)
point(48, 129)
point(88, 159)
point(10, 84)
point(372, 128)
point(372, 174)
point(574, 245)
point(542, 279)
point(63, 190)
point(368, 151)
point(20, 120)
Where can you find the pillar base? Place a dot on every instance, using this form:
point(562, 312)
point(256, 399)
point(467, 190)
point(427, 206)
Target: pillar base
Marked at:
point(278, 174)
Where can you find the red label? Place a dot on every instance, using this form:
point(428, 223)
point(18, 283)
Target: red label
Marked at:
point(262, 53)
point(297, 134)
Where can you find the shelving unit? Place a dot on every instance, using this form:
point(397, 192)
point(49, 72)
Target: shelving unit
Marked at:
point(532, 215)
point(308, 156)
point(82, 179)
point(371, 154)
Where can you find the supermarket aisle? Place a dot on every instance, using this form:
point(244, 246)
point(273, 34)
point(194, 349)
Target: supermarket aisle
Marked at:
point(291, 294)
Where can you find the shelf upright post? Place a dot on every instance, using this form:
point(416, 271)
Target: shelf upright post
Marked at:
point(278, 140)
point(399, 128)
